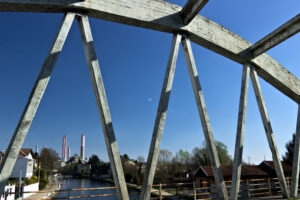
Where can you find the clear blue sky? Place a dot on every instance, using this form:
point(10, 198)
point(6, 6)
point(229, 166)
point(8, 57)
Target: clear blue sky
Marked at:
point(133, 62)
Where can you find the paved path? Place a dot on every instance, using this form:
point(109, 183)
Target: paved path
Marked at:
point(52, 186)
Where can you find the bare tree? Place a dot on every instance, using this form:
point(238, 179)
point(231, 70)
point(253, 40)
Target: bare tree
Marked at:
point(141, 159)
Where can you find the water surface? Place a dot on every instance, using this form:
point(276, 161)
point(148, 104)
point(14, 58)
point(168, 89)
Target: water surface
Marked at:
point(88, 183)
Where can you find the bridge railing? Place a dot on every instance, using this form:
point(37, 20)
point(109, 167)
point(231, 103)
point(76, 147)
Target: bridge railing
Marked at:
point(250, 188)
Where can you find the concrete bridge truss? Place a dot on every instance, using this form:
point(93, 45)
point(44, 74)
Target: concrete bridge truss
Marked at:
point(186, 25)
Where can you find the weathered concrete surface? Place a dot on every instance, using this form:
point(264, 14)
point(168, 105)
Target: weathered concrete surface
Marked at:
point(163, 16)
point(160, 119)
point(239, 141)
point(33, 102)
point(103, 109)
point(209, 138)
point(296, 160)
point(269, 132)
point(282, 33)
point(191, 9)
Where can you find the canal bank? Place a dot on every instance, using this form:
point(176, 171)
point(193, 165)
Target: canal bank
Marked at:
point(46, 193)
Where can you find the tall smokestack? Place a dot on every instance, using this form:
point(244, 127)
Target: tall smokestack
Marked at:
point(69, 153)
point(37, 149)
point(82, 146)
point(64, 148)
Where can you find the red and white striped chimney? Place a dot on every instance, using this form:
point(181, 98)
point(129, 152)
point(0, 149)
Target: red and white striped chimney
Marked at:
point(64, 149)
point(82, 150)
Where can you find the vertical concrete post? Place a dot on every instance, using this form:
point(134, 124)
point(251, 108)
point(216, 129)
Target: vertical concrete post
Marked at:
point(296, 160)
point(160, 119)
point(239, 141)
point(177, 196)
point(195, 190)
point(69, 193)
point(160, 192)
point(103, 109)
point(248, 188)
point(269, 186)
point(269, 132)
point(33, 102)
point(210, 143)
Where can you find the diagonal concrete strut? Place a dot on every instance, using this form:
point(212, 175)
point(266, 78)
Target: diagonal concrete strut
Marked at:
point(33, 102)
point(296, 160)
point(106, 121)
point(210, 143)
point(269, 132)
point(239, 142)
point(160, 119)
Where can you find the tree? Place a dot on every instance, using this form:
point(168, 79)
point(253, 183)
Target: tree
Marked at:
point(98, 167)
point(183, 156)
point(94, 160)
point(200, 155)
point(164, 156)
point(289, 154)
point(225, 158)
point(49, 159)
point(181, 163)
point(163, 166)
point(140, 159)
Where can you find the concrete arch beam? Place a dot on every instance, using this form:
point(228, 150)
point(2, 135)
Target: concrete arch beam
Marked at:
point(163, 16)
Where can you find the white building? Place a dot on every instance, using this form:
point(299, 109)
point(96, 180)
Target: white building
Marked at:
point(24, 165)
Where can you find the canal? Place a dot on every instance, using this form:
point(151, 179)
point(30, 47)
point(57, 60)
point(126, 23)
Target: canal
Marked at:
point(74, 183)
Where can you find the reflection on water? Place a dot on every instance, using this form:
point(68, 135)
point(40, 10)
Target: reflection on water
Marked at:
point(87, 183)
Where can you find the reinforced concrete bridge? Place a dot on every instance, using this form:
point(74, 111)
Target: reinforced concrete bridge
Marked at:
point(186, 25)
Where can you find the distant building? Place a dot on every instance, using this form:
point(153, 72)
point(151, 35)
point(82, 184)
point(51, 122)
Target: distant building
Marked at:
point(24, 164)
point(61, 163)
point(268, 167)
point(80, 166)
point(262, 178)
point(83, 168)
point(205, 173)
point(74, 160)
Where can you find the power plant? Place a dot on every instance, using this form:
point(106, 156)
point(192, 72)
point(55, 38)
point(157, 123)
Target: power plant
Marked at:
point(82, 149)
point(66, 153)
point(64, 149)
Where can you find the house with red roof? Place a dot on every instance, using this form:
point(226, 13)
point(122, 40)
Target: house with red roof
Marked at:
point(255, 179)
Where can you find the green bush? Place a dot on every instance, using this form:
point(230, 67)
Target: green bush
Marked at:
point(32, 180)
point(43, 183)
point(43, 179)
point(35, 178)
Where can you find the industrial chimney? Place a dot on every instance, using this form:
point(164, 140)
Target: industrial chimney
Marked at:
point(64, 148)
point(82, 146)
